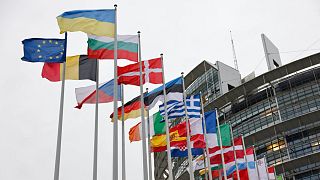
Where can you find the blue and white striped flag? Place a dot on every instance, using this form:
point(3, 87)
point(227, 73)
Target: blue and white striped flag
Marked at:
point(193, 106)
point(175, 109)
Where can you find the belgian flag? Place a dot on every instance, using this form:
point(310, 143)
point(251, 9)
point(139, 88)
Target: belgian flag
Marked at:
point(77, 68)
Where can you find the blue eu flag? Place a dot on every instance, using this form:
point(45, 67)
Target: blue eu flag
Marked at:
point(44, 50)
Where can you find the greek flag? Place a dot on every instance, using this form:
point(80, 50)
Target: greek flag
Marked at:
point(175, 109)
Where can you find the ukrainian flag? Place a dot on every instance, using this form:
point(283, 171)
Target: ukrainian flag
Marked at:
point(96, 22)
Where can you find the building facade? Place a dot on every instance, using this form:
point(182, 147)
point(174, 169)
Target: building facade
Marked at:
point(278, 112)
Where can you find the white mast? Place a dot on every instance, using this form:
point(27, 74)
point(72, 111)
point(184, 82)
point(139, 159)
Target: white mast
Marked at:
point(234, 54)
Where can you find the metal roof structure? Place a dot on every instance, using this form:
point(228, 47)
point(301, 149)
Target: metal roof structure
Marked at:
point(267, 77)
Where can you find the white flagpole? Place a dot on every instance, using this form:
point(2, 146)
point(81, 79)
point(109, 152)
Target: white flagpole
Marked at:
point(220, 175)
point(234, 152)
point(245, 154)
point(95, 145)
point(205, 163)
point(167, 123)
point(123, 136)
point(206, 138)
point(143, 126)
point(255, 161)
point(266, 166)
point(149, 143)
point(191, 174)
point(59, 137)
point(274, 172)
point(115, 102)
point(221, 148)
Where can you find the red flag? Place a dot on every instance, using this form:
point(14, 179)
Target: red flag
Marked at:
point(215, 173)
point(242, 173)
point(135, 133)
point(239, 148)
point(151, 71)
point(271, 173)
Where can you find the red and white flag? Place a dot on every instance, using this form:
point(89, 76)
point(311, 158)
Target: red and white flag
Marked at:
point(271, 173)
point(251, 166)
point(241, 161)
point(151, 73)
point(228, 153)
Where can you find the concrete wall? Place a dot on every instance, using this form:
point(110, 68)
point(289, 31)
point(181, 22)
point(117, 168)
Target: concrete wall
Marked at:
point(227, 75)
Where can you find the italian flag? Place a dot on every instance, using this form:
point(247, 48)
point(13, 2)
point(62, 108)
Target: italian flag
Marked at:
point(156, 128)
point(215, 152)
point(101, 47)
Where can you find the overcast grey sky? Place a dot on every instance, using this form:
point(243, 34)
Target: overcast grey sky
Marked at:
point(186, 31)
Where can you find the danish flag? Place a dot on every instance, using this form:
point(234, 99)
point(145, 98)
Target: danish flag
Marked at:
point(151, 73)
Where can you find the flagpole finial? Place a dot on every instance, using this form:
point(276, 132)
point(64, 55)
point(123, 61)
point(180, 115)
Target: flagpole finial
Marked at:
point(161, 54)
point(139, 32)
point(115, 5)
point(182, 73)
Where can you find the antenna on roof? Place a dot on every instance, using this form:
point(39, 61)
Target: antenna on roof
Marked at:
point(234, 54)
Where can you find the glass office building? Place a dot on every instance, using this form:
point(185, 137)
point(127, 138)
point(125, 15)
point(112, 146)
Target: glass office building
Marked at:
point(278, 112)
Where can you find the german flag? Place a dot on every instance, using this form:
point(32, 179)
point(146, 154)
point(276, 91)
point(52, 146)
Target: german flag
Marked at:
point(77, 68)
point(131, 109)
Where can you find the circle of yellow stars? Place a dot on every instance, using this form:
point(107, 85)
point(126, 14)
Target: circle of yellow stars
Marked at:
point(50, 42)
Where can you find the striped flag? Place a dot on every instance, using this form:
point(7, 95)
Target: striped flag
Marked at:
point(102, 47)
point(87, 95)
point(197, 136)
point(271, 173)
point(228, 153)
point(176, 109)
point(156, 128)
point(252, 168)
point(78, 67)
point(183, 151)
point(215, 151)
point(99, 22)
point(179, 147)
point(173, 89)
point(240, 159)
point(132, 109)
